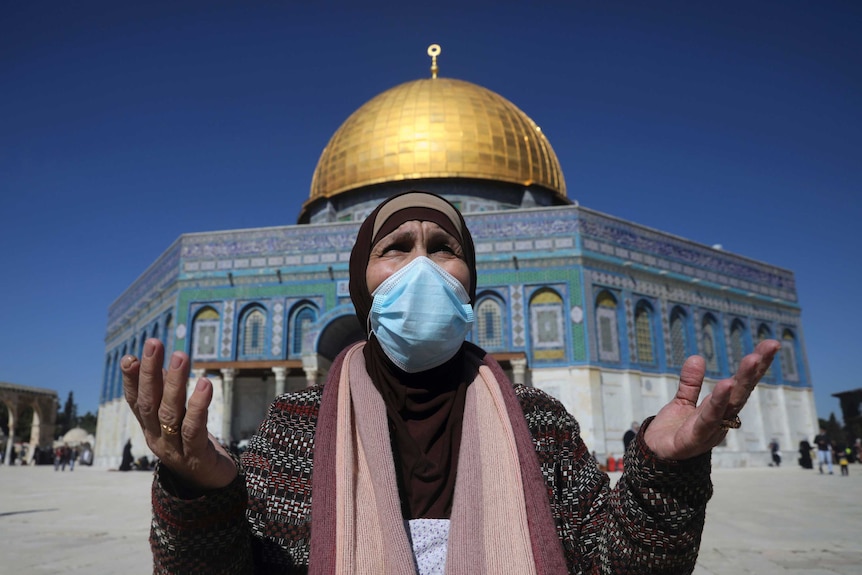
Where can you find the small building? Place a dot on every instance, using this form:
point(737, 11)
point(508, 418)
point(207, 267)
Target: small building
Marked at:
point(33, 404)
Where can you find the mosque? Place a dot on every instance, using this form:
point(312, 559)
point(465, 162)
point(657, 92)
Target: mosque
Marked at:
point(597, 311)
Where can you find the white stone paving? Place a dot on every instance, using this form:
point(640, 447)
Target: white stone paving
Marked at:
point(764, 521)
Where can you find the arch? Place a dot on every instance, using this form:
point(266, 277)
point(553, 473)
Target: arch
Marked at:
point(737, 344)
point(302, 317)
point(106, 380)
point(789, 369)
point(547, 329)
point(607, 332)
point(644, 319)
point(118, 376)
point(155, 334)
point(339, 333)
point(679, 346)
point(252, 336)
point(709, 343)
point(489, 322)
point(205, 328)
point(169, 336)
point(764, 332)
point(141, 343)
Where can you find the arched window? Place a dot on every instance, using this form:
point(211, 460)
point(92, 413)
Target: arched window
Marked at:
point(489, 323)
point(788, 356)
point(709, 333)
point(302, 320)
point(546, 325)
point(118, 375)
point(205, 334)
point(155, 331)
point(169, 333)
point(106, 381)
point(737, 344)
point(253, 333)
point(143, 341)
point(643, 332)
point(763, 332)
point(606, 327)
point(678, 336)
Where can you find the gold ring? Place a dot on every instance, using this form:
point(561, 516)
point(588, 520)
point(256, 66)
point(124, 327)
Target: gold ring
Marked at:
point(170, 429)
point(734, 423)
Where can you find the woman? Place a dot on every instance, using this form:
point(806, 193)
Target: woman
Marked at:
point(418, 455)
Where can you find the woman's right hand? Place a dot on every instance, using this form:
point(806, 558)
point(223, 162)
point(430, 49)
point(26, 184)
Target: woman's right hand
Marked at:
point(176, 434)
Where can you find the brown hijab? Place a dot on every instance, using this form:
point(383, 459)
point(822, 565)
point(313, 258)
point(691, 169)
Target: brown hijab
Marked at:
point(425, 409)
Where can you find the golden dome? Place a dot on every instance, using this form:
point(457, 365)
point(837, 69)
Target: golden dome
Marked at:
point(436, 128)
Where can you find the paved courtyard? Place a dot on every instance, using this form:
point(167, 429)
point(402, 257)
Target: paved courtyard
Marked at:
point(764, 521)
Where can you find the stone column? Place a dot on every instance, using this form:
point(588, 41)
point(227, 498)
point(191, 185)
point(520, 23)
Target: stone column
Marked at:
point(280, 376)
point(10, 440)
point(227, 376)
point(314, 365)
point(519, 370)
point(310, 376)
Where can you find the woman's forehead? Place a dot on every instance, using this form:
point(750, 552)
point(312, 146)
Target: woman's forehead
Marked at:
point(411, 226)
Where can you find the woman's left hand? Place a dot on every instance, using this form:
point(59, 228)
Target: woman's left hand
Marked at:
point(683, 429)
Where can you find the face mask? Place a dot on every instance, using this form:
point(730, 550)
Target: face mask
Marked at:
point(420, 315)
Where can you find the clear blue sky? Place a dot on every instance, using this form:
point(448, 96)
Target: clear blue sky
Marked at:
point(126, 124)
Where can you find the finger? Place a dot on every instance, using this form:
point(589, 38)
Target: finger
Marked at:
point(691, 380)
point(172, 408)
point(194, 430)
point(751, 370)
point(130, 367)
point(714, 407)
point(150, 384)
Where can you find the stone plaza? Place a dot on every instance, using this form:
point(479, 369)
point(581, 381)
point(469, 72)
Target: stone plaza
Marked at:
point(764, 521)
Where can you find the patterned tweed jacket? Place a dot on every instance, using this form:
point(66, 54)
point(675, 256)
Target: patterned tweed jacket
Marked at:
point(649, 523)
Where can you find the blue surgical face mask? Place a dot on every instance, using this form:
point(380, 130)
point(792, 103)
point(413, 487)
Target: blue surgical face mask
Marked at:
point(420, 315)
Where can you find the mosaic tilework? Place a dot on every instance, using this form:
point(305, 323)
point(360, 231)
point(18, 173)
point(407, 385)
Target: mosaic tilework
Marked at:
point(277, 328)
point(630, 328)
point(162, 273)
point(516, 296)
point(227, 329)
point(664, 310)
point(628, 241)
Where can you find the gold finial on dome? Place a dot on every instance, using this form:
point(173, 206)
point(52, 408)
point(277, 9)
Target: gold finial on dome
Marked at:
point(434, 51)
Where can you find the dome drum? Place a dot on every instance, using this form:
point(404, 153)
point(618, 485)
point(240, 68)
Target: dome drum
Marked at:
point(469, 195)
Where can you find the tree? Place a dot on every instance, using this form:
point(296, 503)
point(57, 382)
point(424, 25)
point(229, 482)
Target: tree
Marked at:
point(88, 421)
point(68, 418)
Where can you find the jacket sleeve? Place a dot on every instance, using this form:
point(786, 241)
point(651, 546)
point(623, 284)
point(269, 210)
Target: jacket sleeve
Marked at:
point(651, 521)
point(260, 523)
point(206, 534)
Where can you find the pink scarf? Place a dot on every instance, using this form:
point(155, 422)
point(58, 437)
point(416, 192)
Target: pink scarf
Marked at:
point(501, 521)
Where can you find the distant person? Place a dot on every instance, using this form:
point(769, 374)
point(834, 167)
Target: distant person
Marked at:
point(824, 450)
point(805, 455)
point(775, 450)
point(128, 459)
point(844, 461)
point(629, 435)
point(858, 447)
